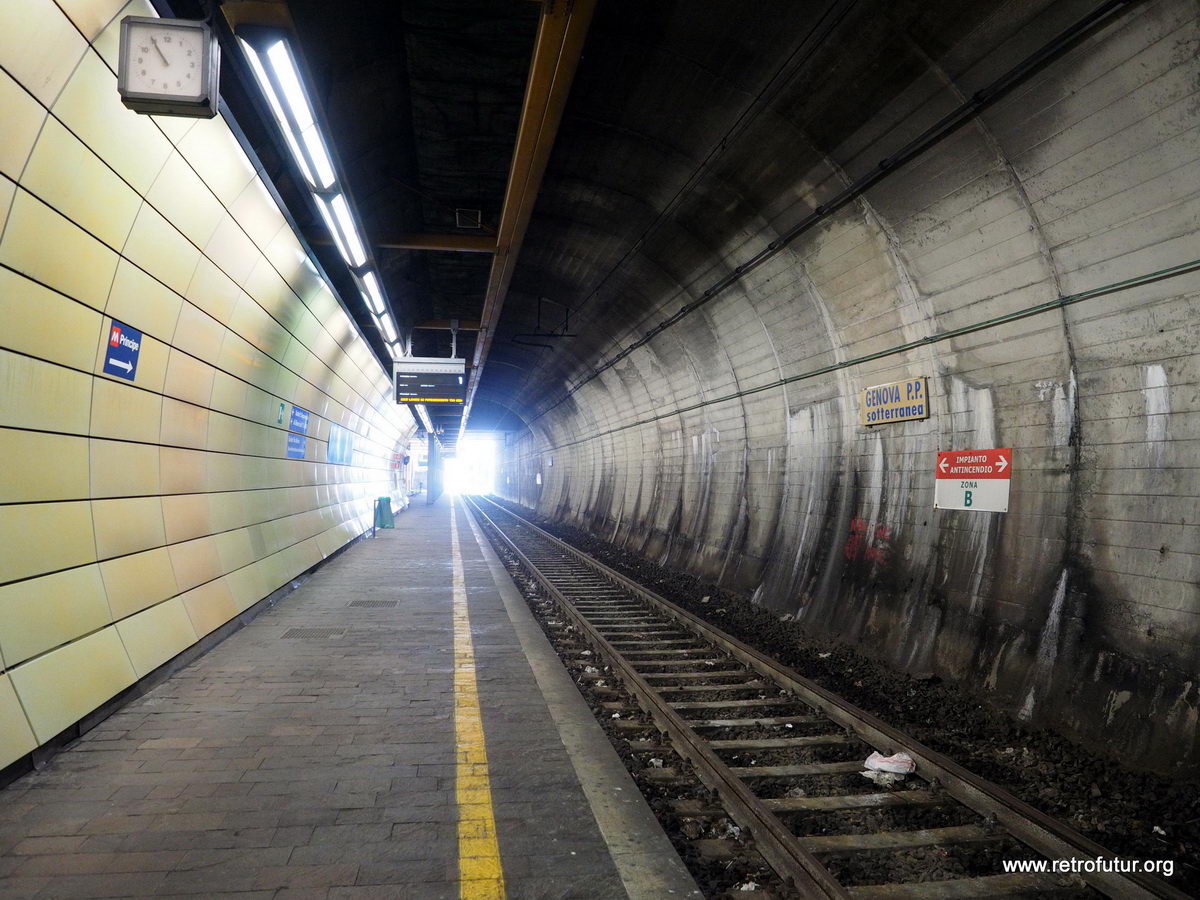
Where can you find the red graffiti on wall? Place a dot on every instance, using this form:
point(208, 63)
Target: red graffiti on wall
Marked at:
point(867, 542)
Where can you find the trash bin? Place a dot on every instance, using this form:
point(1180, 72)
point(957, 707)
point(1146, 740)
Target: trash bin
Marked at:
point(383, 513)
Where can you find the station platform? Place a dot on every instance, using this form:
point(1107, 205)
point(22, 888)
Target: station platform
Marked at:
point(398, 726)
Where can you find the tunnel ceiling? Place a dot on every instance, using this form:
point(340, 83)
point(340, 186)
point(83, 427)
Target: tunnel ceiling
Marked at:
point(665, 154)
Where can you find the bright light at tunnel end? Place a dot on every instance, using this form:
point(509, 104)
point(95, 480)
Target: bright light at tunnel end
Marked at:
point(475, 466)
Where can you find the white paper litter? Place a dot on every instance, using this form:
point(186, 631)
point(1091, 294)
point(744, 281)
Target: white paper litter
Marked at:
point(899, 762)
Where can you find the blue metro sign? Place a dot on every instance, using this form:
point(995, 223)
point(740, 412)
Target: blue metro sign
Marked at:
point(121, 353)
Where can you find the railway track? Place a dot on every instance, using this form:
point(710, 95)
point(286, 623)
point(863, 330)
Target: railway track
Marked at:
point(784, 754)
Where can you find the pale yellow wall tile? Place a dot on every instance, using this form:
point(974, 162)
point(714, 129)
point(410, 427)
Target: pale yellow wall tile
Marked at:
point(252, 322)
point(230, 511)
point(214, 152)
point(138, 581)
point(44, 537)
point(187, 516)
point(91, 16)
point(124, 412)
point(183, 471)
point(189, 379)
point(196, 562)
point(199, 335)
point(184, 424)
point(257, 213)
point(63, 686)
point(41, 395)
point(154, 636)
point(247, 586)
point(209, 606)
point(22, 117)
point(213, 291)
point(43, 323)
point(41, 466)
point(41, 613)
point(121, 469)
point(232, 251)
point(127, 525)
point(39, 46)
point(235, 549)
point(180, 195)
point(90, 195)
point(225, 433)
point(16, 737)
point(229, 394)
point(143, 302)
point(91, 107)
point(157, 247)
point(37, 240)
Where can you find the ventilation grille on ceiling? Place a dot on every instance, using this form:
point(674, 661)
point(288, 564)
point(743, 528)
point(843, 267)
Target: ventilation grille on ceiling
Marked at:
point(375, 604)
point(302, 633)
point(468, 218)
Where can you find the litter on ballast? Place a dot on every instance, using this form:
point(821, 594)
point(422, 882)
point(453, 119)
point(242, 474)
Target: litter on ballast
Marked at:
point(884, 779)
point(616, 715)
point(704, 599)
point(748, 886)
point(591, 670)
point(898, 762)
point(825, 655)
point(656, 763)
point(1158, 830)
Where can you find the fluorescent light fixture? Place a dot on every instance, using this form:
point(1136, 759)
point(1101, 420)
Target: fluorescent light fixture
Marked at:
point(289, 83)
point(385, 322)
point(327, 215)
point(372, 304)
point(268, 89)
point(288, 77)
point(341, 211)
point(373, 292)
point(320, 159)
point(397, 349)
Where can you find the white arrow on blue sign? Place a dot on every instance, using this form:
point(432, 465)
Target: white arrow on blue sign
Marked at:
point(121, 353)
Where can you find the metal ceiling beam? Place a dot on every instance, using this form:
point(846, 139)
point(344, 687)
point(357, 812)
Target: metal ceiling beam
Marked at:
point(448, 325)
point(460, 243)
point(556, 51)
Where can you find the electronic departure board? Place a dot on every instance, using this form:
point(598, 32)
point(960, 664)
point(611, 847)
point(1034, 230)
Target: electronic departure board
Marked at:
point(432, 380)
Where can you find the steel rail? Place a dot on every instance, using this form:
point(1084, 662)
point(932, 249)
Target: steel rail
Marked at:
point(774, 840)
point(1037, 830)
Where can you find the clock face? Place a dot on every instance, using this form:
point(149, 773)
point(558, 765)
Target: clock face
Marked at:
point(166, 59)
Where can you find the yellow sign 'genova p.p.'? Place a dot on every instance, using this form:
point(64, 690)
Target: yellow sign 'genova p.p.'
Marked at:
point(899, 401)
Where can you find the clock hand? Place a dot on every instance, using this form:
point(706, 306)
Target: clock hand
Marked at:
point(160, 53)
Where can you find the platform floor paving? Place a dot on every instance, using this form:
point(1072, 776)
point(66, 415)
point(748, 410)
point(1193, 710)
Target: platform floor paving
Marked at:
point(312, 754)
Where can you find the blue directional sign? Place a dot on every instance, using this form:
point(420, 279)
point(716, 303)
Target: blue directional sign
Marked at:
point(297, 444)
point(299, 420)
point(121, 352)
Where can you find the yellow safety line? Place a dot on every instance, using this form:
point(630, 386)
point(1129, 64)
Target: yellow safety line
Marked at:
point(480, 874)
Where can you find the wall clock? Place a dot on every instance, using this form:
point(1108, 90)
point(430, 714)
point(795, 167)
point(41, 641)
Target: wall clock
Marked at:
point(168, 67)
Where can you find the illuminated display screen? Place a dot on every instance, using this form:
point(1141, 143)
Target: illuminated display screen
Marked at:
point(430, 389)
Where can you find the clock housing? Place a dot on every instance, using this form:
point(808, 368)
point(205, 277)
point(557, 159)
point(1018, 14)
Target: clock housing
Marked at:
point(168, 67)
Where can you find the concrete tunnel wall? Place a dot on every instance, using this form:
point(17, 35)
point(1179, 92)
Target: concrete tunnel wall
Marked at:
point(1079, 608)
point(138, 516)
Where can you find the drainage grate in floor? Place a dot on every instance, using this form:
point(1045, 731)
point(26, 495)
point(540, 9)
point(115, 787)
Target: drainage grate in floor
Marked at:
point(375, 604)
point(314, 632)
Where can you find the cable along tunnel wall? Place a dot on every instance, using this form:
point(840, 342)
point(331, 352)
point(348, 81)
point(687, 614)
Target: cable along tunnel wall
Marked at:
point(729, 445)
